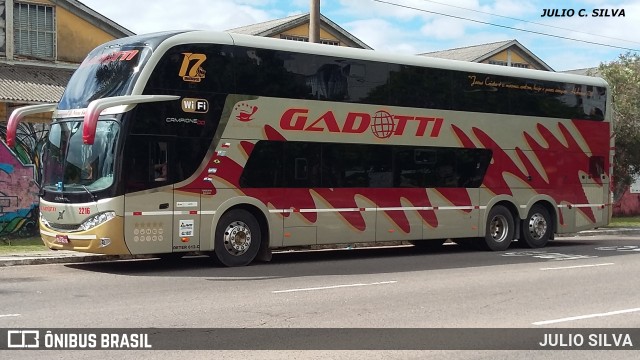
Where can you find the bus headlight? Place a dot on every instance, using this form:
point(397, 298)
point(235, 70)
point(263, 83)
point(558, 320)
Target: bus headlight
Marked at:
point(96, 220)
point(44, 221)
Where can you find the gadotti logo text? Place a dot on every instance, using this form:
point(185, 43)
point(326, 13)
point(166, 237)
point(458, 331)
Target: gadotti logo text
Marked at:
point(382, 123)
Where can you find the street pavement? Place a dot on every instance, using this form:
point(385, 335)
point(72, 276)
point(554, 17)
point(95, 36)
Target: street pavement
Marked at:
point(64, 256)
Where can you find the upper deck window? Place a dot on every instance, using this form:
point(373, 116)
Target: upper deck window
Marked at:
point(34, 30)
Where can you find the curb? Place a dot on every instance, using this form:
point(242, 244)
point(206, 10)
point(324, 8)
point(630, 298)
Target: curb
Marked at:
point(13, 260)
point(612, 231)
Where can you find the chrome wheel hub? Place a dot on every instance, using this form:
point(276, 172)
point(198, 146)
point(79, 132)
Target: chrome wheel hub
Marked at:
point(537, 226)
point(499, 228)
point(237, 238)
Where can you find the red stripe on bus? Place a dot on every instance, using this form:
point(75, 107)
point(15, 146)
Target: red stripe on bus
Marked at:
point(193, 212)
point(137, 213)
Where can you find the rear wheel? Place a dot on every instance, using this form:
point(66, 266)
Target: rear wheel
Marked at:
point(237, 238)
point(536, 228)
point(499, 229)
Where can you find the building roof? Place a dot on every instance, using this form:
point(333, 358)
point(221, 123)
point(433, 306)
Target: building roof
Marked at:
point(278, 26)
point(95, 18)
point(593, 71)
point(32, 84)
point(482, 52)
point(39, 81)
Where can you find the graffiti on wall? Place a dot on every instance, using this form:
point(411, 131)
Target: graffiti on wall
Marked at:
point(20, 174)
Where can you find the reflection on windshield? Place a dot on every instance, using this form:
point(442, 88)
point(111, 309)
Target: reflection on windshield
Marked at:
point(106, 72)
point(71, 165)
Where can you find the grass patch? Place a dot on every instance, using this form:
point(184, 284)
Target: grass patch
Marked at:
point(626, 221)
point(13, 245)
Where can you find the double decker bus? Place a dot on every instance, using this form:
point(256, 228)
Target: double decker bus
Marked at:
point(234, 145)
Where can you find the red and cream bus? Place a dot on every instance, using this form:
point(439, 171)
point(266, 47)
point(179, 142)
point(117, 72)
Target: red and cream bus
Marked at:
point(199, 141)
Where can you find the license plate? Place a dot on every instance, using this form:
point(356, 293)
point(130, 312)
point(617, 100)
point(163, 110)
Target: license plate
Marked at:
point(62, 239)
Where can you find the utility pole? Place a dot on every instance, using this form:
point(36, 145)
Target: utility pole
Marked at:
point(314, 22)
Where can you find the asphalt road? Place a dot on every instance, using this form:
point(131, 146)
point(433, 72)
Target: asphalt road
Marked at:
point(581, 282)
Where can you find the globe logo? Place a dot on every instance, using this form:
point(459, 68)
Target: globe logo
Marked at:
point(383, 124)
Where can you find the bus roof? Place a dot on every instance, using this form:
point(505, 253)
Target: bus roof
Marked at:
point(198, 36)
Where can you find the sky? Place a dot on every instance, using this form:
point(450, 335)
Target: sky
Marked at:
point(418, 26)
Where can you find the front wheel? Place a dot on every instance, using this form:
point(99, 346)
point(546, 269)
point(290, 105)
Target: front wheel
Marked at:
point(499, 230)
point(536, 228)
point(237, 238)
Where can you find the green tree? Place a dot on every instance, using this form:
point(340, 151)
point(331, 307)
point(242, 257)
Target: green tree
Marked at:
point(623, 76)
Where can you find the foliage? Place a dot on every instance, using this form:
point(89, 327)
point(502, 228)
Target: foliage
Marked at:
point(625, 221)
point(623, 76)
point(19, 245)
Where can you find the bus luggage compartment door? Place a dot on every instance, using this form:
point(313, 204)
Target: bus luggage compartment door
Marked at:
point(148, 222)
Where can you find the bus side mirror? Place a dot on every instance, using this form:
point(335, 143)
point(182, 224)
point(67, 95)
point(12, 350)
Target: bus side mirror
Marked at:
point(18, 114)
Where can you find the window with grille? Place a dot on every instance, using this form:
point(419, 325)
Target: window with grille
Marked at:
point(34, 30)
point(513, 64)
point(306, 39)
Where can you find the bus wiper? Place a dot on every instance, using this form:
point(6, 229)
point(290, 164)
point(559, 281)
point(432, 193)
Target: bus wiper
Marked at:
point(93, 196)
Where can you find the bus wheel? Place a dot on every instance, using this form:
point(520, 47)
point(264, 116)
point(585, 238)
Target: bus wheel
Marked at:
point(431, 244)
point(536, 228)
point(237, 238)
point(499, 230)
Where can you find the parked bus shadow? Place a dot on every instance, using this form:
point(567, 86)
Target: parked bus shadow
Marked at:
point(345, 261)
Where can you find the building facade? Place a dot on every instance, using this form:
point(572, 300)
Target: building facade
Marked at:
point(42, 42)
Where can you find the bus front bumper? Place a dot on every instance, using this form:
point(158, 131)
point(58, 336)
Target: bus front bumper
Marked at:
point(106, 238)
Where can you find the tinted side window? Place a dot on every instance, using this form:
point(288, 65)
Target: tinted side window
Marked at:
point(488, 93)
point(345, 165)
point(332, 165)
point(413, 167)
point(431, 167)
point(419, 87)
point(194, 67)
point(273, 73)
point(146, 163)
point(264, 167)
point(302, 165)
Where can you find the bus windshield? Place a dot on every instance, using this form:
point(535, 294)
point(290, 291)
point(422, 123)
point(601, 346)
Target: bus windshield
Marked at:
point(107, 71)
point(73, 166)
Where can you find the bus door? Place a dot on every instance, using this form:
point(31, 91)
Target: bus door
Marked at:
point(186, 221)
point(148, 201)
point(187, 204)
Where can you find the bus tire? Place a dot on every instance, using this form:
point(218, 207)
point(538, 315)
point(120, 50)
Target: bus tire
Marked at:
point(237, 238)
point(499, 230)
point(536, 228)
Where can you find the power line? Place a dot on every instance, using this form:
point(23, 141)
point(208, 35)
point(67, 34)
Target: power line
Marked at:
point(532, 22)
point(505, 26)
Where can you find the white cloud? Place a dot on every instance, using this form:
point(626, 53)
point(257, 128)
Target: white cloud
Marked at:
point(404, 30)
point(382, 35)
point(147, 16)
